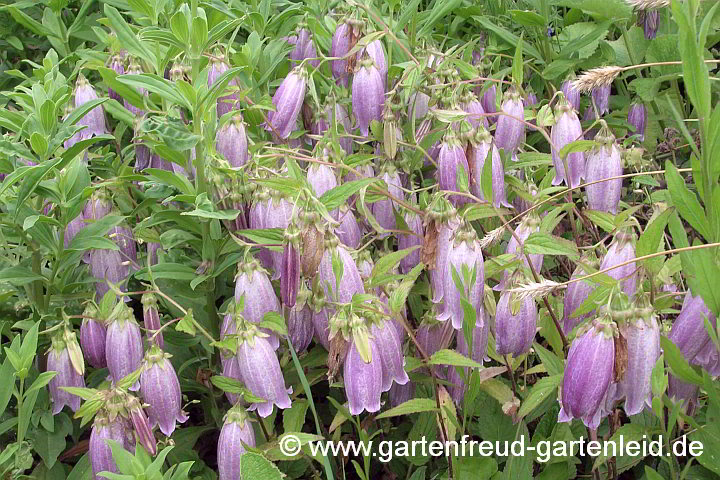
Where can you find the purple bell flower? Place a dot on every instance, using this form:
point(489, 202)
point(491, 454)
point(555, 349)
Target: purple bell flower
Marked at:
point(445, 231)
point(415, 223)
point(349, 231)
point(572, 95)
point(94, 120)
point(528, 226)
point(451, 160)
point(650, 24)
point(480, 334)
point(117, 64)
point(622, 250)
point(340, 47)
point(321, 178)
point(382, 210)
point(530, 100)
point(290, 277)
point(376, 52)
point(368, 95)
point(107, 265)
point(480, 146)
point(688, 331)
point(123, 345)
point(226, 103)
point(321, 326)
point(604, 161)
point(363, 381)
point(588, 373)
point(601, 97)
point(73, 228)
point(637, 117)
point(399, 394)
point(59, 361)
point(235, 434)
point(160, 389)
point(510, 133)
point(643, 347)
point(575, 296)
point(476, 113)
point(389, 345)
point(304, 48)
point(231, 142)
point(514, 334)
point(288, 100)
point(566, 130)
point(261, 373)
point(419, 103)
point(300, 326)
point(253, 283)
point(103, 429)
point(489, 102)
point(151, 320)
point(465, 254)
point(92, 340)
point(135, 69)
point(350, 283)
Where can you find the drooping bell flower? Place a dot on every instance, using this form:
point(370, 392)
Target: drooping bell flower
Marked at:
point(153, 248)
point(160, 389)
point(279, 214)
point(117, 64)
point(399, 394)
point(299, 324)
point(529, 225)
point(290, 275)
point(650, 24)
point(119, 430)
point(489, 102)
point(376, 52)
point(480, 335)
point(135, 69)
point(588, 373)
point(320, 320)
point(480, 146)
point(228, 327)
point(72, 229)
point(218, 66)
point(304, 48)
point(107, 265)
point(123, 344)
point(514, 332)
point(350, 283)
point(408, 240)
point(510, 132)
point(419, 105)
point(382, 210)
point(231, 369)
point(141, 425)
point(321, 178)
point(567, 129)
point(601, 98)
point(368, 95)
point(575, 296)
point(92, 338)
point(59, 361)
point(688, 331)
point(451, 162)
point(143, 156)
point(474, 108)
point(642, 336)
point(530, 99)
point(637, 117)
point(464, 264)
point(339, 48)
point(288, 100)
point(363, 381)
point(444, 223)
point(231, 142)
point(94, 120)
point(123, 237)
point(604, 161)
point(389, 345)
point(151, 320)
point(622, 250)
point(348, 232)
point(260, 370)
point(235, 434)
point(99, 205)
point(686, 393)
point(334, 115)
point(253, 286)
point(572, 95)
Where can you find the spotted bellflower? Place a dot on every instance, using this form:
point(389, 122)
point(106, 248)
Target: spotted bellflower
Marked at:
point(510, 130)
point(603, 162)
point(92, 337)
point(254, 291)
point(363, 380)
point(339, 48)
point(288, 100)
point(637, 117)
point(452, 168)
point(235, 435)
point(123, 344)
point(304, 47)
point(60, 360)
point(622, 249)
point(529, 225)
point(160, 389)
point(566, 130)
point(368, 95)
point(515, 324)
point(231, 142)
point(481, 144)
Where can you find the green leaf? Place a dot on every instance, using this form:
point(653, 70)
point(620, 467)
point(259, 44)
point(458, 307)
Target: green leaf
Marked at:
point(337, 196)
point(187, 324)
point(399, 295)
point(275, 322)
point(486, 180)
point(545, 244)
point(677, 363)
point(20, 276)
point(553, 364)
point(127, 37)
point(254, 465)
point(387, 262)
point(577, 146)
point(703, 282)
point(49, 445)
point(649, 241)
point(685, 201)
point(155, 84)
point(508, 37)
point(518, 66)
point(414, 405)
point(451, 357)
point(42, 380)
point(543, 388)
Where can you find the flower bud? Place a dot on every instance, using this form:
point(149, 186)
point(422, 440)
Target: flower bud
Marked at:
point(253, 284)
point(304, 48)
point(643, 348)
point(349, 231)
point(123, 344)
point(415, 223)
point(588, 373)
point(476, 113)
point(340, 47)
point(572, 95)
point(603, 162)
point(59, 361)
point(107, 265)
point(92, 339)
point(465, 254)
point(218, 66)
point(650, 24)
point(480, 146)
point(637, 117)
point(235, 434)
point(368, 95)
point(514, 333)
point(300, 326)
point(151, 320)
point(94, 120)
point(135, 69)
point(288, 100)
point(261, 373)
point(141, 425)
point(566, 130)
point(451, 161)
point(160, 389)
point(363, 381)
point(601, 98)
point(231, 142)
point(622, 250)
point(489, 102)
point(389, 345)
point(290, 277)
point(510, 132)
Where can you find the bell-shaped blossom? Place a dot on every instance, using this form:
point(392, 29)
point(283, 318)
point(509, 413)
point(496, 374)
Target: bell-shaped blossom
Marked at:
point(253, 286)
point(92, 341)
point(399, 394)
point(119, 430)
point(304, 48)
point(575, 295)
point(382, 210)
point(59, 361)
point(94, 120)
point(376, 52)
point(528, 226)
point(480, 146)
point(637, 117)
point(321, 178)
point(650, 24)
point(622, 250)
point(339, 48)
point(73, 228)
point(419, 105)
point(300, 326)
point(231, 142)
point(123, 345)
point(465, 266)
point(643, 350)
point(160, 389)
point(117, 64)
point(688, 331)
point(444, 233)
point(288, 100)
point(107, 265)
point(489, 102)
point(363, 381)
point(261, 373)
point(601, 97)
point(588, 373)
point(514, 333)
point(571, 94)
point(510, 130)
point(566, 130)
point(151, 320)
point(389, 345)
point(349, 284)
point(603, 162)
point(226, 103)
point(368, 95)
point(408, 240)
point(321, 325)
point(474, 108)
point(135, 69)
point(235, 435)
point(452, 163)
point(348, 232)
